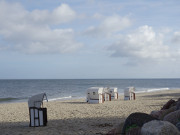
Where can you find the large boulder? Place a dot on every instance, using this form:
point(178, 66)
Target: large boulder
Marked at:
point(166, 112)
point(134, 131)
point(117, 130)
point(178, 105)
point(156, 114)
point(136, 120)
point(162, 113)
point(157, 127)
point(168, 104)
point(178, 126)
point(173, 117)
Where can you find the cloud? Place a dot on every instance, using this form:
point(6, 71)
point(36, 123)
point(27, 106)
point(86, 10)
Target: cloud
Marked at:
point(47, 41)
point(31, 32)
point(176, 37)
point(109, 26)
point(144, 43)
point(61, 14)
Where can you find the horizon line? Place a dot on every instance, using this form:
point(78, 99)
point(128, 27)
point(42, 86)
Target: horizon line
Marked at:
point(80, 78)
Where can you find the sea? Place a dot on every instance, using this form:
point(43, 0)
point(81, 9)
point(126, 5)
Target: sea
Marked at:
point(20, 90)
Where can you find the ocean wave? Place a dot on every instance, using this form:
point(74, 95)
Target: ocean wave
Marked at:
point(60, 98)
point(152, 90)
point(8, 99)
point(157, 89)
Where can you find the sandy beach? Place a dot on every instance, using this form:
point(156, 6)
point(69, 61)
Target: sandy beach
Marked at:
point(76, 117)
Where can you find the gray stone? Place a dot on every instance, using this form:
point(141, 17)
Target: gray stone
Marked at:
point(168, 104)
point(178, 126)
point(136, 120)
point(156, 114)
point(157, 127)
point(162, 113)
point(178, 105)
point(173, 117)
point(134, 131)
point(166, 112)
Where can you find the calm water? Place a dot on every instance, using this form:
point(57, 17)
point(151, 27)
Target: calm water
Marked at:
point(21, 90)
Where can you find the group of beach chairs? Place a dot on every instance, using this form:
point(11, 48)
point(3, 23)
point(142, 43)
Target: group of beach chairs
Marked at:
point(101, 94)
point(38, 114)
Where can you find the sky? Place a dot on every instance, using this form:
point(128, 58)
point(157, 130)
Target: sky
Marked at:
point(89, 39)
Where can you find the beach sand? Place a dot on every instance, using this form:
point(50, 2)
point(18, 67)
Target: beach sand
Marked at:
point(76, 117)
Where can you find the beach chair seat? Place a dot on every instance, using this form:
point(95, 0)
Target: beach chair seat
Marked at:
point(37, 114)
point(129, 93)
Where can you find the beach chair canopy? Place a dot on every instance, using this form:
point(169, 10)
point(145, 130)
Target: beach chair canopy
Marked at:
point(37, 100)
point(129, 89)
point(107, 90)
point(113, 90)
point(93, 92)
point(129, 93)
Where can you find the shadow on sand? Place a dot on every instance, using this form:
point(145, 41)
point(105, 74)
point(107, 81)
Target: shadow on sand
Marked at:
point(77, 126)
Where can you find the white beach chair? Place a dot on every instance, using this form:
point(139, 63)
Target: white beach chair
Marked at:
point(38, 114)
point(114, 92)
point(95, 95)
point(107, 94)
point(129, 93)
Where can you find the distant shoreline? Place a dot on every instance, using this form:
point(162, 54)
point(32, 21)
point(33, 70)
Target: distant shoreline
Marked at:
point(87, 78)
point(70, 98)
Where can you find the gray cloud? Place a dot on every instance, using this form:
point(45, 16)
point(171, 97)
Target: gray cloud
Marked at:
point(30, 32)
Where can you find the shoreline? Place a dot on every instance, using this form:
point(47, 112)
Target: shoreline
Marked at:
point(71, 98)
point(76, 117)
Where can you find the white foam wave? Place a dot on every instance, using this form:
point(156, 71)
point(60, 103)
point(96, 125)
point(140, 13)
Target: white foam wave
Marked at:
point(60, 98)
point(158, 89)
point(152, 90)
point(141, 91)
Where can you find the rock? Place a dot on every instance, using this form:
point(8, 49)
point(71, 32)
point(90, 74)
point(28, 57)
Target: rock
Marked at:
point(178, 99)
point(117, 130)
point(178, 126)
point(168, 104)
point(157, 127)
point(136, 120)
point(112, 132)
point(134, 131)
point(166, 112)
point(156, 114)
point(173, 117)
point(178, 105)
point(174, 104)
